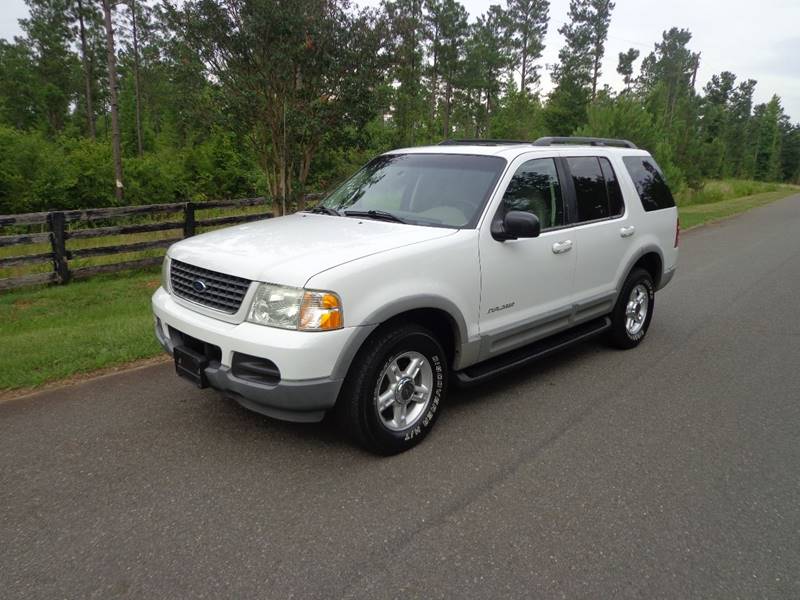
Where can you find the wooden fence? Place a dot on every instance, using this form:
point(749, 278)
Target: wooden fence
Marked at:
point(55, 230)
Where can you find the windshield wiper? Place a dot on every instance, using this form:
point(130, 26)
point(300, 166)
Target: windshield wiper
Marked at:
point(379, 215)
point(324, 210)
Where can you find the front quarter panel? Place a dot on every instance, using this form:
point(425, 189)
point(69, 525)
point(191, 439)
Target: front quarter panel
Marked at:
point(443, 273)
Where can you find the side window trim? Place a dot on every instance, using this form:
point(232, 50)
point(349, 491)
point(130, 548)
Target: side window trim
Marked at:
point(610, 166)
point(567, 191)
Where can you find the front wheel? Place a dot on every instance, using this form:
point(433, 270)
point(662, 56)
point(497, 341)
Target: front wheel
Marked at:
point(393, 393)
point(633, 311)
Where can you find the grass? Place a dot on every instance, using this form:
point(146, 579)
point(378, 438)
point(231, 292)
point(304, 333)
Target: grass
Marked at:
point(51, 333)
point(720, 199)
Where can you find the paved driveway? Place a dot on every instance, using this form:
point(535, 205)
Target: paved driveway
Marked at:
point(669, 471)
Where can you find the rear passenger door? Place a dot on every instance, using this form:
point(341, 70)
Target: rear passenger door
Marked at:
point(602, 232)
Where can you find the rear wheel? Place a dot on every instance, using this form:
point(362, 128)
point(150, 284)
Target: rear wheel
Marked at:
point(393, 393)
point(633, 311)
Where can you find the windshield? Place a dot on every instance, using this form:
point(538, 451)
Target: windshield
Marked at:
point(445, 190)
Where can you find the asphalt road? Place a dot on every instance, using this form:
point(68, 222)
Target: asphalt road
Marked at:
point(669, 471)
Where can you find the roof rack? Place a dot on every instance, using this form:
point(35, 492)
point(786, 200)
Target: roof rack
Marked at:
point(477, 142)
point(589, 141)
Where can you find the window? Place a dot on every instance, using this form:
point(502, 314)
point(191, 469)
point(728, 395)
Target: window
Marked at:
point(649, 182)
point(535, 188)
point(590, 188)
point(440, 190)
point(616, 206)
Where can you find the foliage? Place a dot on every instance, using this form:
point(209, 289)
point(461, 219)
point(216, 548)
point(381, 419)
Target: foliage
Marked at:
point(265, 97)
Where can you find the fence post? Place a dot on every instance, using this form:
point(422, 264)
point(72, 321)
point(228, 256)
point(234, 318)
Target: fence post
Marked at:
point(188, 220)
point(58, 237)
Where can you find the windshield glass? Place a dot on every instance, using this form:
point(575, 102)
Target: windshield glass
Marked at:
point(445, 190)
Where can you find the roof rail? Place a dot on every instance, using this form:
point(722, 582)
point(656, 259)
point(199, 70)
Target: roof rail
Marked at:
point(588, 141)
point(477, 142)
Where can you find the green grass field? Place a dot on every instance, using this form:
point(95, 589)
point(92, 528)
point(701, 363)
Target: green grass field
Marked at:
point(51, 333)
point(720, 199)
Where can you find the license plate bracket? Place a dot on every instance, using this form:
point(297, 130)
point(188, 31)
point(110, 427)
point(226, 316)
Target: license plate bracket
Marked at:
point(191, 365)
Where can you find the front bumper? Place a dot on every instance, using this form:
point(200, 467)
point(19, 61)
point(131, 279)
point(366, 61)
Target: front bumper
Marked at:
point(312, 365)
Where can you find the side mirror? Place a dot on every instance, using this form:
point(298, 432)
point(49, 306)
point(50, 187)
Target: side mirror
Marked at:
point(516, 224)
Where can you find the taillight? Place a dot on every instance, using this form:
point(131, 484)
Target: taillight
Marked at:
point(677, 231)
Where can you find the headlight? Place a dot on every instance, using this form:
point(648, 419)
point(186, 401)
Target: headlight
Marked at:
point(295, 308)
point(165, 273)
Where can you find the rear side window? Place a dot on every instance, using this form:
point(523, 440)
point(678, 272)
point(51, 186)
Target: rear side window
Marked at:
point(597, 192)
point(649, 181)
point(535, 188)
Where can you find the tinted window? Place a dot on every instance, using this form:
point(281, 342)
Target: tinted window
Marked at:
point(590, 188)
point(615, 204)
point(446, 190)
point(649, 182)
point(535, 188)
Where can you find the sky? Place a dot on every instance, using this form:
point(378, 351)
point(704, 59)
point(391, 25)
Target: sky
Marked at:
point(755, 40)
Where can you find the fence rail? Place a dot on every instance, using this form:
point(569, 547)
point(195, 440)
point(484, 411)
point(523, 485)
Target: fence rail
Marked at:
point(58, 235)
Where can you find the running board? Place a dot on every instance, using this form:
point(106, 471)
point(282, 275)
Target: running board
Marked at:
point(532, 352)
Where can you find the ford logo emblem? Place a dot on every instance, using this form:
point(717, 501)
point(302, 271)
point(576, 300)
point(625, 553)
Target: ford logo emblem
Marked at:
point(199, 286)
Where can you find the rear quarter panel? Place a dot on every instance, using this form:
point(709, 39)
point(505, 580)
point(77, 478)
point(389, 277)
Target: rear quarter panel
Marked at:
point(655, 229)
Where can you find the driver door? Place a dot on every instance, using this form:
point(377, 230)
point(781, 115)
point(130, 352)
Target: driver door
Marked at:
point(527, 285)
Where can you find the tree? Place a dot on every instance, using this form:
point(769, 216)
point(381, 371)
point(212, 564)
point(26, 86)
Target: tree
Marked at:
point(527, 22)
point(767, 118)
point(487, 59)
point(448, 27)
point(136, 85)
point(290, 75)
point(625, 66)
point(670, 69)
point(21, 103)
point(112, 84)
point(566, 108)
point(82, 13)
point(48, 33)
point(598, 21)
point(406, 25)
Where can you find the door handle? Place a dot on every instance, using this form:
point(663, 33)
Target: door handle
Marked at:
point(561, 247)
point(627, 231)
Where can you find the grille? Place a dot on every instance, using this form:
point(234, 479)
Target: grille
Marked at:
point(222, 292)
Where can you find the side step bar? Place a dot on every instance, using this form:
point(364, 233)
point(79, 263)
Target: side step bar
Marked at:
point(527, 354)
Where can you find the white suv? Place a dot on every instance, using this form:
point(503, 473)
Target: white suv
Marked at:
point(457, 261)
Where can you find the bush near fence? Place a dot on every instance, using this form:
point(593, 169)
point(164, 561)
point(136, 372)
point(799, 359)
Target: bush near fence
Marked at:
point(64, 232)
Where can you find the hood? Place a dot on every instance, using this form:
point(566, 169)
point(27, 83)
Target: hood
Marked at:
point(290, 250)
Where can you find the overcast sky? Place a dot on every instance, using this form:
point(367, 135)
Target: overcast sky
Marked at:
point(758, 40)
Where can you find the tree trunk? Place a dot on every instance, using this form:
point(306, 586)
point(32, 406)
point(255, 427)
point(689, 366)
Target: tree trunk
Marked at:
point(87, 74)
point(434, 84)
point(595, 69)
point(446, 116)
point(112, 84)
point(524, 73)
point(305, 167)
point(138, 98)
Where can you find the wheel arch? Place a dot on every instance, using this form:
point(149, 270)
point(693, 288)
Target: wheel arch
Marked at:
point(440, 315)
point(648, 258)
point(652, 262)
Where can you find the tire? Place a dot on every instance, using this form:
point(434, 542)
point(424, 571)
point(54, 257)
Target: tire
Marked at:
point(633, 312)
point(382, 372)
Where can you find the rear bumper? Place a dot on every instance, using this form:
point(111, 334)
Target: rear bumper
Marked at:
point(312, 366)
point(666, 278)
